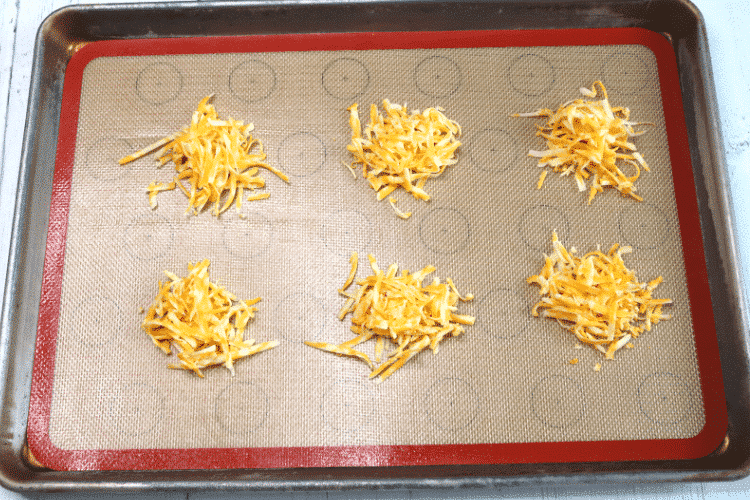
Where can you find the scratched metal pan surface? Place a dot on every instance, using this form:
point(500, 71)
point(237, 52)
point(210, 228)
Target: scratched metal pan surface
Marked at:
point(451, 429)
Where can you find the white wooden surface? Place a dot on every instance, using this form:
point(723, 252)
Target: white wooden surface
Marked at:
point(729, 39)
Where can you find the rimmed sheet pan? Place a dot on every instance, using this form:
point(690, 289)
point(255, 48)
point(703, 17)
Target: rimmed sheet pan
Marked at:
point(486, 226)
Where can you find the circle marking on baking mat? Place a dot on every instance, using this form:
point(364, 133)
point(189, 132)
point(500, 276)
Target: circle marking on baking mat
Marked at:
point(643, 226)
point(345, 78)
point(531, 75)
point(103, 156)
point(500, 315)
point(437, 76)
point(135, 409)
point(242, 407)
point(252, 81)
point(348, 405)
point(347, 231)
point(141, 239)
point(665, 398)
point(538, 223)
point(95, 307)
point(557, 401)
point(248, 237)
point(301, 154)
point(159, 83)
point(451, 404)
point(444, 230)
point(489, 151)
point(300, 313)
point(624, 73)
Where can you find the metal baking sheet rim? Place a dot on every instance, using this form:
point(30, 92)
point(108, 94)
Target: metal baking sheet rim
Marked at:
point(18, 307)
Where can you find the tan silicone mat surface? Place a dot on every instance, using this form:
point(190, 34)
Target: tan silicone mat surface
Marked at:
point(506, 380)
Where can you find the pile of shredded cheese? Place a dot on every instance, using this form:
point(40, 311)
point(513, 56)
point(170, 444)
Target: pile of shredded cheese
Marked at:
point(219, 159)
point(596, 297)
point(399, 149)
point(588, 138)
point(398, 308)
point(202, 321)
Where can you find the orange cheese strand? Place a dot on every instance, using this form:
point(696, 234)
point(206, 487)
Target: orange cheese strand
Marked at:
point(402, 150)
point(590, 140)
point(398, 308)
point(218, 159)
point(202, 321)
point(596, 297)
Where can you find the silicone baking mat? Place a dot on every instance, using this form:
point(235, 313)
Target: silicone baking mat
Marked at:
point(102, 395)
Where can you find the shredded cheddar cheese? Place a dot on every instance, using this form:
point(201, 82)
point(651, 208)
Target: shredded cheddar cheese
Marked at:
point(402, 150)
point(399, 212)
point(590, 140)
point(202, 321)
point(399, 309)
point(596, 297)
point(542, 176)
point(218, 159)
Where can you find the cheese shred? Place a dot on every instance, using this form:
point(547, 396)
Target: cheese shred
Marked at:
point(218, 159)
point(202, 321)
point(399, 212)
point(596, 297)
point(402, 150)
point(590, 140)
point(394, 307)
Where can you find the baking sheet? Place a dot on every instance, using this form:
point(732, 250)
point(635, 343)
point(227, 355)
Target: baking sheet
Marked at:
point(507, 381)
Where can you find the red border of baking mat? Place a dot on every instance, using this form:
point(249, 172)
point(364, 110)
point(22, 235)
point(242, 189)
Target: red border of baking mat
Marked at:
point(705, 442)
